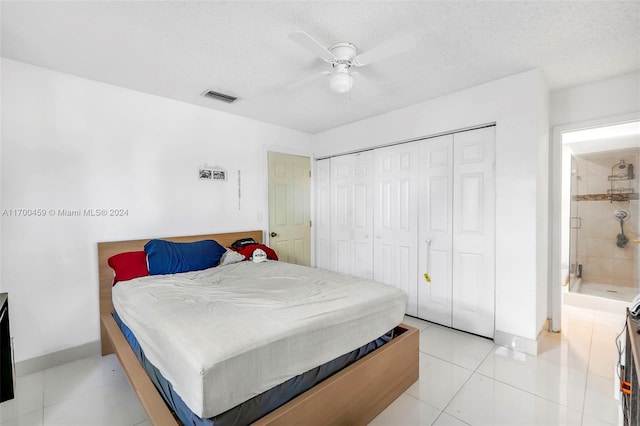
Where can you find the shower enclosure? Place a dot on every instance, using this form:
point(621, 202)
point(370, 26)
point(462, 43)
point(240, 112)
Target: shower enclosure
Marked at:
point(603, 247)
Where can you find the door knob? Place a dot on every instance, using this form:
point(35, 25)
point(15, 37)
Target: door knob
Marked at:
point(378, 236)
point(273, 234)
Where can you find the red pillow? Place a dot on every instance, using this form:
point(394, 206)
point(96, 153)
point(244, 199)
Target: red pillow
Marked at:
point(128, 265)
point(247, 251)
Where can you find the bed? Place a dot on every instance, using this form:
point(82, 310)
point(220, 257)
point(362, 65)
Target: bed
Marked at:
point(354, 395)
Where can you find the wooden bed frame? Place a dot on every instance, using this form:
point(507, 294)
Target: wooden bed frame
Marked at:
point(353, 396)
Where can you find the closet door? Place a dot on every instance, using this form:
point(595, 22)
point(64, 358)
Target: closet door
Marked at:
point(396, 219)
point(323, 213)
point(436, 230)
point(352, 214)
point(474, 232)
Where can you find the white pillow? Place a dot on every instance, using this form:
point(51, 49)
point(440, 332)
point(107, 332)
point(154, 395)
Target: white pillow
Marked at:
point(230, 257)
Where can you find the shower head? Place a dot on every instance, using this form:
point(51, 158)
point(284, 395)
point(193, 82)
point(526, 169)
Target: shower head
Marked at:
point(621, 165)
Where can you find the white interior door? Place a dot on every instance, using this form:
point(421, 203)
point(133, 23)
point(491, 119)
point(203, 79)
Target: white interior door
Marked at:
point(436, 230)
point(474, 232)
point(323, 213)
point(289, 207)
point(396, 219)
point(352, 214)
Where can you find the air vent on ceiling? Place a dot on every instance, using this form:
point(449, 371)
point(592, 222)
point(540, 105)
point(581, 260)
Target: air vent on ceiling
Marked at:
point(220, 96)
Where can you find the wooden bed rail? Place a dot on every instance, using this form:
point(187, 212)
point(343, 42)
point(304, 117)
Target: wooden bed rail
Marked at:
point(354, 395)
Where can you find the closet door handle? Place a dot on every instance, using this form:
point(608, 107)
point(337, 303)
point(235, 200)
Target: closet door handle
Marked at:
point(427, 277)
point(378, 236)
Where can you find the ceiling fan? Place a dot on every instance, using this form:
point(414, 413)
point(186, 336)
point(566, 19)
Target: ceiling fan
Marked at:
point(343, 56)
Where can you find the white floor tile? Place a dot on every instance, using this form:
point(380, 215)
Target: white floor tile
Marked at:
point(572, 353)
point(462, 349)
point(484, 401)
point(603, 357)
point(28, 397)
point(416, 322)
point(613, 320)
point(555, 382)
point(475, 382)
point(75, 378)
point(439, 381)
point(406, 411)
point(576, 322)
point(592, 421)
point(30, 419)
point(111, 405)
point(604, 352)
point(599, 401)
point(446, 420)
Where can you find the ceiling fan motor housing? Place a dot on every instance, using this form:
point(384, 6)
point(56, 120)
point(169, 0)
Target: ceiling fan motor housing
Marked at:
point(344, 52)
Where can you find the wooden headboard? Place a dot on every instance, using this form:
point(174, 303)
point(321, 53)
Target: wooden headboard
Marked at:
point(108, 249)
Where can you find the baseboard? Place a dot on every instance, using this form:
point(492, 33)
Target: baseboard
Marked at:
point(53, 359)
point(517, 343)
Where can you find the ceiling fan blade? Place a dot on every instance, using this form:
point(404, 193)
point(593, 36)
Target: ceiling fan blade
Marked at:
point(391, 48)
point(306, 81)
point(309, 43)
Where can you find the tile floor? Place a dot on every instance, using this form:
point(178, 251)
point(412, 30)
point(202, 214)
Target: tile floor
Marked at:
point(464, 380)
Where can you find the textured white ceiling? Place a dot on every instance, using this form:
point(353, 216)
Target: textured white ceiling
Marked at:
point(180, 49)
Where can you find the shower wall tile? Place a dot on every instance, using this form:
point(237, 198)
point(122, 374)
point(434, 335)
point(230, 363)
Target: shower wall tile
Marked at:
point(602, 260)
point(608, 279)
point(598, 265)
point(592, 210)
point(597, 184)
point(625, 268)
point(602, 229)
point(628, 252)
point(600, 247)
point(583, 248)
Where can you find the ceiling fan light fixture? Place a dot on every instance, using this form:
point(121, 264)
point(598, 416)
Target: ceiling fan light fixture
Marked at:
point(343, 56)
point(340, 81)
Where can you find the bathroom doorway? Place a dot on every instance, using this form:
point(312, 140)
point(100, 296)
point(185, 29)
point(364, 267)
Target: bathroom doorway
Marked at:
point(600, 212)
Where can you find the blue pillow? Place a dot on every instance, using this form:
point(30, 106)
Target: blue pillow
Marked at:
point(166, 257)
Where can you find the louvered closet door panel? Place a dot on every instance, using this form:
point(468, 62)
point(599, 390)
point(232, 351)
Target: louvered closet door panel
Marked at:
point(323, 213)
point(436, 230)
point(396, 219)
point(474, 232)
point(352, 214)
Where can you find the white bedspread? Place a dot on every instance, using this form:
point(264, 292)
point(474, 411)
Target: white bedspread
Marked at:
point(224, 335)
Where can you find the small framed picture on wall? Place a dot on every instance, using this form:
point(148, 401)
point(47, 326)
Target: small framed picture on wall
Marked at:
point(207, 172)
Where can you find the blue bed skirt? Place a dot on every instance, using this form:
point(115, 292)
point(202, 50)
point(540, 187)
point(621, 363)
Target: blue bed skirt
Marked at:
point(258, 406)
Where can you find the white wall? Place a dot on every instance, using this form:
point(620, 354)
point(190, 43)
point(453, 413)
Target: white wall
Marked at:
point(591, 105)
point(519, 106)
point(72, 143)
point(606, 98)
